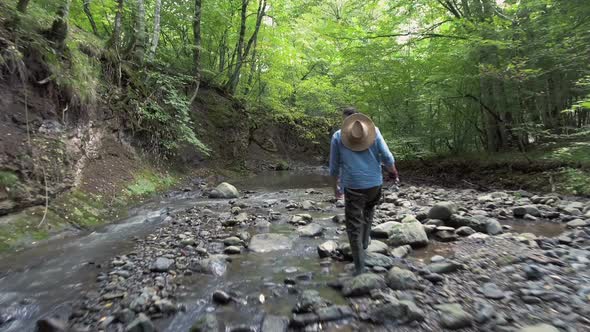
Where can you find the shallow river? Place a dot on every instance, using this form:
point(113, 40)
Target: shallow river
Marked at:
point(45, 280)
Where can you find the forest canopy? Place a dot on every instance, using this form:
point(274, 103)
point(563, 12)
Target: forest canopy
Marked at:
point(437, 76)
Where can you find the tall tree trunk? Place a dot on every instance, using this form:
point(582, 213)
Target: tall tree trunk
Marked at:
point(222, 51)
point(156, 36)
point(22, 5)
point(252, 70)
point(236, 73)
point(115, 40)
point(197, 47)
point(86, 5)
point(140, 34)
point(59, 28)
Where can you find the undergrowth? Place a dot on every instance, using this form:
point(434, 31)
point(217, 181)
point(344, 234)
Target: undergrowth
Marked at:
point(147, 182)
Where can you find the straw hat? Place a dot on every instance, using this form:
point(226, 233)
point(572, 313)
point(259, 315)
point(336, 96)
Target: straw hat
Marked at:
point(358, 132)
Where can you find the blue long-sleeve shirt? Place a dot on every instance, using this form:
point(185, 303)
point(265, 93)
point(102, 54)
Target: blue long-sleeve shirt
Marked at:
point(362, 169)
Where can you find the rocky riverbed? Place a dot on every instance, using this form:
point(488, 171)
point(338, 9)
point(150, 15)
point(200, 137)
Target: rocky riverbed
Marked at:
point(278, 260)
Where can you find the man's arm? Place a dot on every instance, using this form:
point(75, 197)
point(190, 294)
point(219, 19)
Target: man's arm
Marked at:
point(335, 164)
point(387, 157)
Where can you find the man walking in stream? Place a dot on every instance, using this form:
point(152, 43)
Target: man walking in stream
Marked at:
point(357, 152)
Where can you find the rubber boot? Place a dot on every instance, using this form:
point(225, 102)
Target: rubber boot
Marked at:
point(358, 257)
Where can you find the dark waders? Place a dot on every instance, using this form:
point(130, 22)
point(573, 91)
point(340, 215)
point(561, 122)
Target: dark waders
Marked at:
point(359, 209)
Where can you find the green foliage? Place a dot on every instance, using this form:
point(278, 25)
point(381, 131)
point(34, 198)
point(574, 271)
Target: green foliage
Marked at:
point(574, 181)
point(163, 116)
point(148, 182)
point(488, 75)
point(8, 179)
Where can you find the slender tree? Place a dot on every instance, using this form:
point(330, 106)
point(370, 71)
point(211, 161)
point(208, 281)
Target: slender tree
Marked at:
point(115, 40)
point(197, 47)
point(156, 35)
point(242, 52)
point(86, 6)
point(140, 33)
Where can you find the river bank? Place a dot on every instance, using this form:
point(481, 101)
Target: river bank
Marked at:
point(251, 264)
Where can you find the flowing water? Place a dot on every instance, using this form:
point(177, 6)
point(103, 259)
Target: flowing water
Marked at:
point(45, 280)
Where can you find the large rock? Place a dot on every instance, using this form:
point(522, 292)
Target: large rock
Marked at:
point(215, 265)
point(141, 324)
point(521, 211)
point(206, 323)
point(401, 252)
point(274, 324)
point(362, 284)
point(161, 264)
point(453, 317)
point(410, 233)
point(397, 312)
point(327, 249)
point(51, 325)
point(309, 301)
point(444, 267)
point(478, 223)
point(400, 279)
point(301, 219)
point(378, 247)
point(442, 211)
point(384, 230)
point(578, 223)
point(539, 328)
point(375, 259)
point(310, 230)
point(224, 190)
point(269, 242)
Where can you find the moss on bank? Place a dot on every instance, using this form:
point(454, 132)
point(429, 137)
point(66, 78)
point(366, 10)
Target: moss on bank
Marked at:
point(78, 210)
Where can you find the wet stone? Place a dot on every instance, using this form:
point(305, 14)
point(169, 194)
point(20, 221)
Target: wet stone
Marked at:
point(401, 251)
point(578, 223)
point(327, 248)
point(232, 250)
point(274, 324)
point(394, 311)
point(161, 264)
point(339, 219)
point(141, 324)
point(51, 325)
point(206, 323)
point(400, 279)
point(539, 328)
point(443, 267)
point(434, 277)
point(453, 317)
point(446, 236)
point(310, 230)
point(221, 297)
point(363, 284)
point(309, 301)
point(442, 211)
point(232, 241)
point(485, 312)
point(373, 259)
point(492, 291)
point(533, 272)
point(464, 231)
